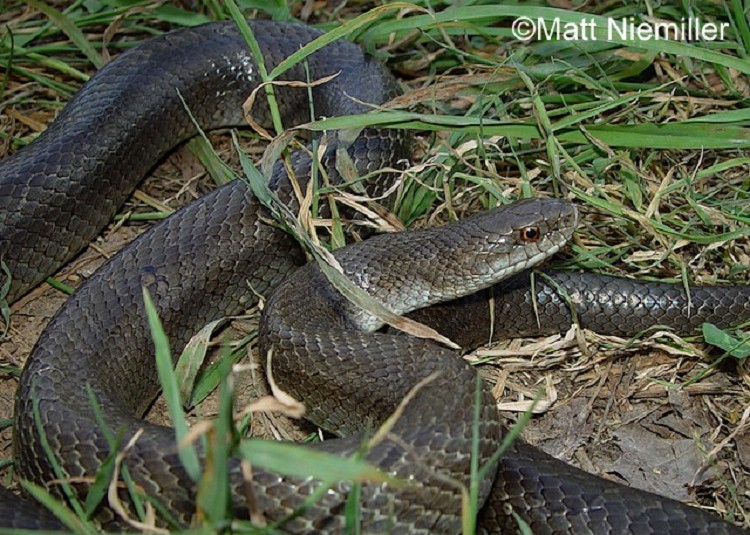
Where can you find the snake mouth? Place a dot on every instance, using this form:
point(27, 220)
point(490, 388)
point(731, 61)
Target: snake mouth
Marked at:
point(527, 259)
point(569, 219)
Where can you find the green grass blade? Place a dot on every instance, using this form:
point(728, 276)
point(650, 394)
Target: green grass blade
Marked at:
point(736, 347)
point(63, 514)
point(301, 461)
point(210, 378)
point(57, 468)
point(485, 14)
point(71, 30)
point(219, 171)
point(214, 493)
point(252, 43)
point(168, 380)
point(676, 135)
point(192, 359)
point(337, 33)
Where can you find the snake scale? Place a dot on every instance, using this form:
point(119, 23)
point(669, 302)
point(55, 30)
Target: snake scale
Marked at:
point(213, 257)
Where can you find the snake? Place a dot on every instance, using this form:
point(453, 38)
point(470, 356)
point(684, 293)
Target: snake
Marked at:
point(215, 256)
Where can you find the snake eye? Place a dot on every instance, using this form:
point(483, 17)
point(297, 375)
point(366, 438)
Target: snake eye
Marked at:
point(530, 234)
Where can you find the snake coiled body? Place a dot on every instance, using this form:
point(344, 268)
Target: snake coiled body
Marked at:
point(214, 257)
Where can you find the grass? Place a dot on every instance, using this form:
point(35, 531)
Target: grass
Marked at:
point(649, 138)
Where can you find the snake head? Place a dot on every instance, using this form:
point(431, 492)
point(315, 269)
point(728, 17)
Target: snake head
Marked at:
point(414, 269)
point(494, 245)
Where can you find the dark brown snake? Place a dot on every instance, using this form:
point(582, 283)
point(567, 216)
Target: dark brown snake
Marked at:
point(213, 257)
